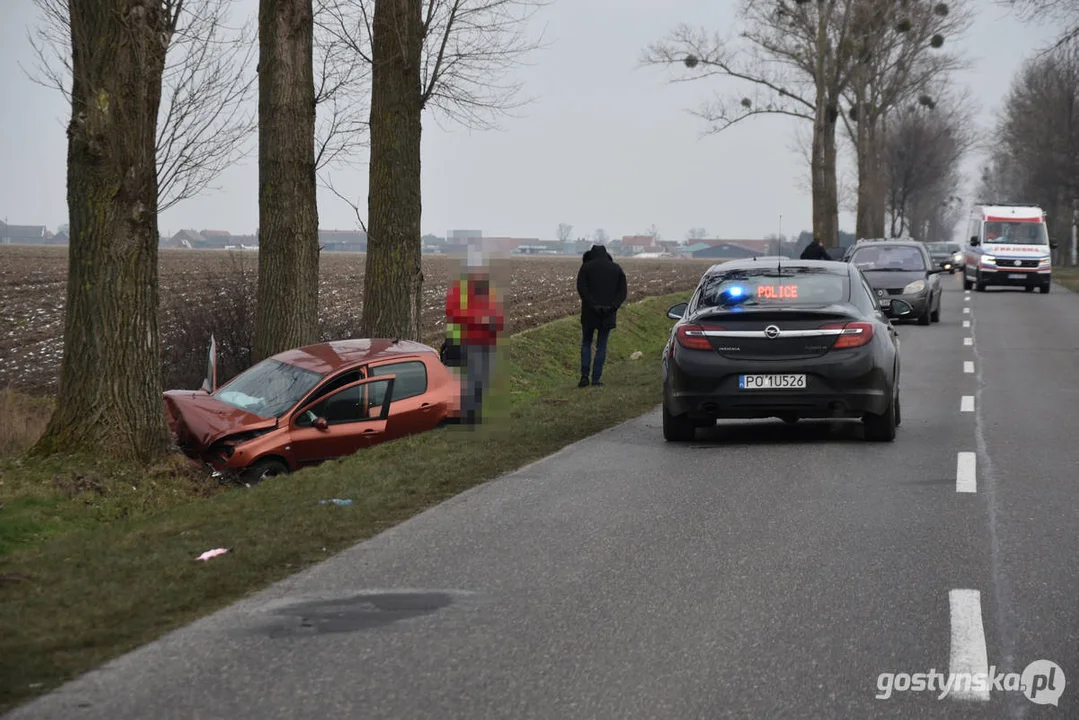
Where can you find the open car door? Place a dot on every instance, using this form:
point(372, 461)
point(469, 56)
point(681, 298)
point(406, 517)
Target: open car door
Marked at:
point(209, 383)
point(349, 419)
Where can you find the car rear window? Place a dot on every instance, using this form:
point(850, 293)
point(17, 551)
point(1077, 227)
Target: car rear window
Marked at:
point(889, 257)
point(769, 286)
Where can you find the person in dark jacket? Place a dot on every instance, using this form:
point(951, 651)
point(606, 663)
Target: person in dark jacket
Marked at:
point(815, 251)
point(601, 283)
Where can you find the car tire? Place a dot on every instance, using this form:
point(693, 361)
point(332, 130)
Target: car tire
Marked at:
point(1045, 289)
point(926, 317)
point(881, 428)
point(935, 315)
point(677, 428)
point(261, 470)
point(1028, 288)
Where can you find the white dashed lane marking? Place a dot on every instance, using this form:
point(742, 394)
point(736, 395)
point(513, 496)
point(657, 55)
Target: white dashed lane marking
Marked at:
point(968, 341)
point(966, 311)
point(966, 477)
point(968, 652)
point(966, 404)
point(968, 366)
point(966, 323)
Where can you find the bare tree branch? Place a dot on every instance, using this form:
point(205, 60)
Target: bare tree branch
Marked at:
point(328, 184)
point(206, 119)
point(471, 48)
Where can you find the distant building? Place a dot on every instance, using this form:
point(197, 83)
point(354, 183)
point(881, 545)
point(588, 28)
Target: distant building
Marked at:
point(22, 234)
point(722, 251)
point(342, 240)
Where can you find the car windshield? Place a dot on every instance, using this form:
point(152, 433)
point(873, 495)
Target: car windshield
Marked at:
point(939, 248)
point(1017, 233)
point(771, 286)
point(953, 247)
point(268, 389)
point(897, 258)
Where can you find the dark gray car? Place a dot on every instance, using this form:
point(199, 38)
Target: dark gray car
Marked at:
point(902, 269)
point(947, 256)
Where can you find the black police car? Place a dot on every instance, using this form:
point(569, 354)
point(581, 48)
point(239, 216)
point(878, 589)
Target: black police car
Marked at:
point(782, 338)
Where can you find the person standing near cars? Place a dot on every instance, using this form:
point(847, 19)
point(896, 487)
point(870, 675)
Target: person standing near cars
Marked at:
point(815, 251)
point(601, 283)
point(475, 318)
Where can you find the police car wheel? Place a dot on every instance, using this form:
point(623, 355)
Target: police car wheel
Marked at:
point(1045, 289)
point(1029, 288)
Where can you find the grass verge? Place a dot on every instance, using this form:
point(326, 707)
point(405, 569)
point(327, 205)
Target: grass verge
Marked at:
point(1067, 276)
point(101, 567)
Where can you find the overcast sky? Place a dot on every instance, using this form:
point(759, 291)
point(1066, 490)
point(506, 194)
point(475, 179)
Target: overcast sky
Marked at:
point(605, 144)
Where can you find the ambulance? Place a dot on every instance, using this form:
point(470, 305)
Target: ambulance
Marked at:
point(1008, 245)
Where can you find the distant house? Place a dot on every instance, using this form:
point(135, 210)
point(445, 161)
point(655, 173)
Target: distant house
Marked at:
point(187, 239)
point(216, 239)
point(342, 240)
point(637, 244)
point(724, 251)
point(60, 238)
point(22, 234)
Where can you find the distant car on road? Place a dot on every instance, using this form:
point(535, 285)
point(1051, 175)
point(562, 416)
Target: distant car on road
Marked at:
point(902, 269)
point(789, 339)
point(947, 256)
point(315, 403)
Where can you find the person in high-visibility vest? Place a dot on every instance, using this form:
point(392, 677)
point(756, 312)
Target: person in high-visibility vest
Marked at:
point(474, 320)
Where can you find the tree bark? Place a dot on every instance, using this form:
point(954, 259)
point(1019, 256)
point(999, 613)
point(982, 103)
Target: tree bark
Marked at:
point(871, 194)
point(393, 279)
point(825, 181)
point(109, 399)
point(286, 314)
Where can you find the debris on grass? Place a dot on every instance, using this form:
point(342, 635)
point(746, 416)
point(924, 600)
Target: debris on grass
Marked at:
point(212, 553)
point(336, 501)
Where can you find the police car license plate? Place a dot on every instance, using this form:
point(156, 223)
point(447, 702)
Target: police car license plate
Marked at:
point(1016, 276)
point(772, 382)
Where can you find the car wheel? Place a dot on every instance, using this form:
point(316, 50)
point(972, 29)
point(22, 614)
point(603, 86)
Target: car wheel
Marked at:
point(925, 318)
point(1045, 289)
point(935, 316)
point(1028, 288)
point(898, 414)
point(677, 428)
point(261, 470)
point(881, 428)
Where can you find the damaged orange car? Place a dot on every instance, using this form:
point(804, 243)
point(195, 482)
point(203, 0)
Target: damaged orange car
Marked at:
point(315, 403)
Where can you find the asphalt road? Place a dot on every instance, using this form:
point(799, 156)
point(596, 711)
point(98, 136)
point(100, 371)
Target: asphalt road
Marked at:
point(763, 571)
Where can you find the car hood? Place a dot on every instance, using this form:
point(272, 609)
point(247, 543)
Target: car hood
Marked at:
point(199, 419)
point(891, 280)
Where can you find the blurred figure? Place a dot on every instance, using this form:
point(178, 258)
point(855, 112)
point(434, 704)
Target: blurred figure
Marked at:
point(815, 251)
point(601, 283)
point(474, 321)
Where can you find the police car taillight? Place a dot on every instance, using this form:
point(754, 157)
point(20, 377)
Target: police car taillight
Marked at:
point(692, 337)
point(855, 334)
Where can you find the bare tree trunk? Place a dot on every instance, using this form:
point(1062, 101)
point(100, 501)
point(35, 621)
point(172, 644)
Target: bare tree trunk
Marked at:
point(825, 182)
point(109, 398)
point(286, 313)
point(870, 219)
point(393, 281)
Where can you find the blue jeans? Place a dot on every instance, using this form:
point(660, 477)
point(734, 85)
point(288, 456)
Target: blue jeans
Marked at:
point(586, 352)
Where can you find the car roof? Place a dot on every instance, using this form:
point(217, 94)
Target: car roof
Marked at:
point(329, 356)
point(771, 262)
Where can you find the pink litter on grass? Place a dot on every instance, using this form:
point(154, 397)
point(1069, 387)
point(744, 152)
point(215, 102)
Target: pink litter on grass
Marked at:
point(212, 553)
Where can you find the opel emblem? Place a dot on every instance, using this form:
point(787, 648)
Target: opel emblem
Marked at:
point(880, 293)
point(771, 332)
point(1018, 263)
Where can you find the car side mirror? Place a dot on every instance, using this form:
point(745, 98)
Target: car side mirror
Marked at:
point(320, 424)
point(974, 240)
point(898, 308)
point(1054, 246)
point(677, 312)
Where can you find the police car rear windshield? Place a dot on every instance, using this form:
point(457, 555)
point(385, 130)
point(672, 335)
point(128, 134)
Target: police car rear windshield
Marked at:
point(1016, 233)
point(769, 286)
